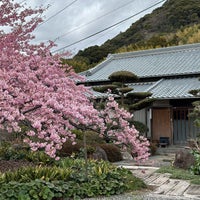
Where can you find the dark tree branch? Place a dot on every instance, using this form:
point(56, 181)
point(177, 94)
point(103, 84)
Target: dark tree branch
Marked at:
point(32, 109)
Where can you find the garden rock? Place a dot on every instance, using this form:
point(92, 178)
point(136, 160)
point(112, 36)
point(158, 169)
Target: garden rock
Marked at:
point(126, 155)
point(184, 159)
point(100, 154)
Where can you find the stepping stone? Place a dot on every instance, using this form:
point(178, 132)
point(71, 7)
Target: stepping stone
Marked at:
point(166, 187)
point(193, 190)
point(157, 179)
point(143, 173)
point(179, 189)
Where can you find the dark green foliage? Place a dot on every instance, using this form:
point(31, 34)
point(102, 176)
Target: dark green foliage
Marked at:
point(123, 76)
point(127, 99)
point(196, 167)
point(94, 54)
point(67, 180)
point(105, 88)
point(195, 114)
point(153, 148)
point(142, 104)
point(142, 128)
point(39, 157)
point(7, 152)
point(93, 140)
point(125, 90)
point(10, 152)
point(139, 95)
point(68, 149)
point(112, 151)
point(78, 63)
point(118, 84)
point(194, 92)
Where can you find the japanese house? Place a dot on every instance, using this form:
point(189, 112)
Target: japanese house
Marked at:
point(168, 73)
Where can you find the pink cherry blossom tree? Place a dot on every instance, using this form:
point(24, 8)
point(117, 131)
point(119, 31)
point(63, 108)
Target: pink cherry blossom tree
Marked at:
point(120, 131)
point(37, 91)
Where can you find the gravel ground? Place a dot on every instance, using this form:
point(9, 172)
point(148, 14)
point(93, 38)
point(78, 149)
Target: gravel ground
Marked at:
point(130, 196)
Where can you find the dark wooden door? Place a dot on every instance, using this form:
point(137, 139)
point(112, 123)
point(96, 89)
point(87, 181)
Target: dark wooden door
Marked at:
point(161, 123)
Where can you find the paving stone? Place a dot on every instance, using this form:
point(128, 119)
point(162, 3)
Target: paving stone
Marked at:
point(156, 179)
point(193, 190)
point(161, 179)
point(143, 173)
point(163, 189)
point(179, 189)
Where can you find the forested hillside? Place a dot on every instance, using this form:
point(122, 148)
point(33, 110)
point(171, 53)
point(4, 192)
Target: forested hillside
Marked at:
point(176, 22)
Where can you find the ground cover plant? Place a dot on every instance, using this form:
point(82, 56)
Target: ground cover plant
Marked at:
point(67, 180)
point(177, 173)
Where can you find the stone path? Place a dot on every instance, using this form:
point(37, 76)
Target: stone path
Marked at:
point(164, 187)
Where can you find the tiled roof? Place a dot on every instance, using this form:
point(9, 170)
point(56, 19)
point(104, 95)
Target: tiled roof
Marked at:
point(170, 61)
point(169, 88)
point(141, 87)
point(165, 88)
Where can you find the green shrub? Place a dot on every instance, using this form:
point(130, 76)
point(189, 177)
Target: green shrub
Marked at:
point(196, 167)
point(62, 181)
point(39, 157)
point(142, 128)
point(153, 148)
point(68, 149)
point(113, 152)
point(8, 152)
point(92, 139)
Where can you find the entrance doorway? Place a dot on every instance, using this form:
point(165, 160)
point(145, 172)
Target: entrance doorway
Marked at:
point(161, 123)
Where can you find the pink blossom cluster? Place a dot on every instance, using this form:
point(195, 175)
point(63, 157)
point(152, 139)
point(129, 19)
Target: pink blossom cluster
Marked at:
point(122, 133)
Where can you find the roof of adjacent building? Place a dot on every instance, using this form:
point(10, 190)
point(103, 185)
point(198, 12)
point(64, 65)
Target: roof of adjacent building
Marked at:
point(161, 62)
point(168, 73)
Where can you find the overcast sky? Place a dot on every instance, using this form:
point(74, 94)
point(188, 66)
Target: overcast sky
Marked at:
point(68, 21)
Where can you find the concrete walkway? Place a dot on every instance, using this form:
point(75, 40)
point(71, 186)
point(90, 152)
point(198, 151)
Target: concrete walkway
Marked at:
point(162, 186)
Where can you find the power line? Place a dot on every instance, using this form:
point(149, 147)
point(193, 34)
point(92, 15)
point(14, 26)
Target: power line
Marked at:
point(107, 27)
point(75, 29)
point(67, 6)
point(102, 35)
point(22, 2)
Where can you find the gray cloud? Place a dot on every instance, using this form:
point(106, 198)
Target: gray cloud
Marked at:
point(83, 12)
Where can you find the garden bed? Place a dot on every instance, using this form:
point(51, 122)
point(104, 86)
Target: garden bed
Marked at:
point(6, 165)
